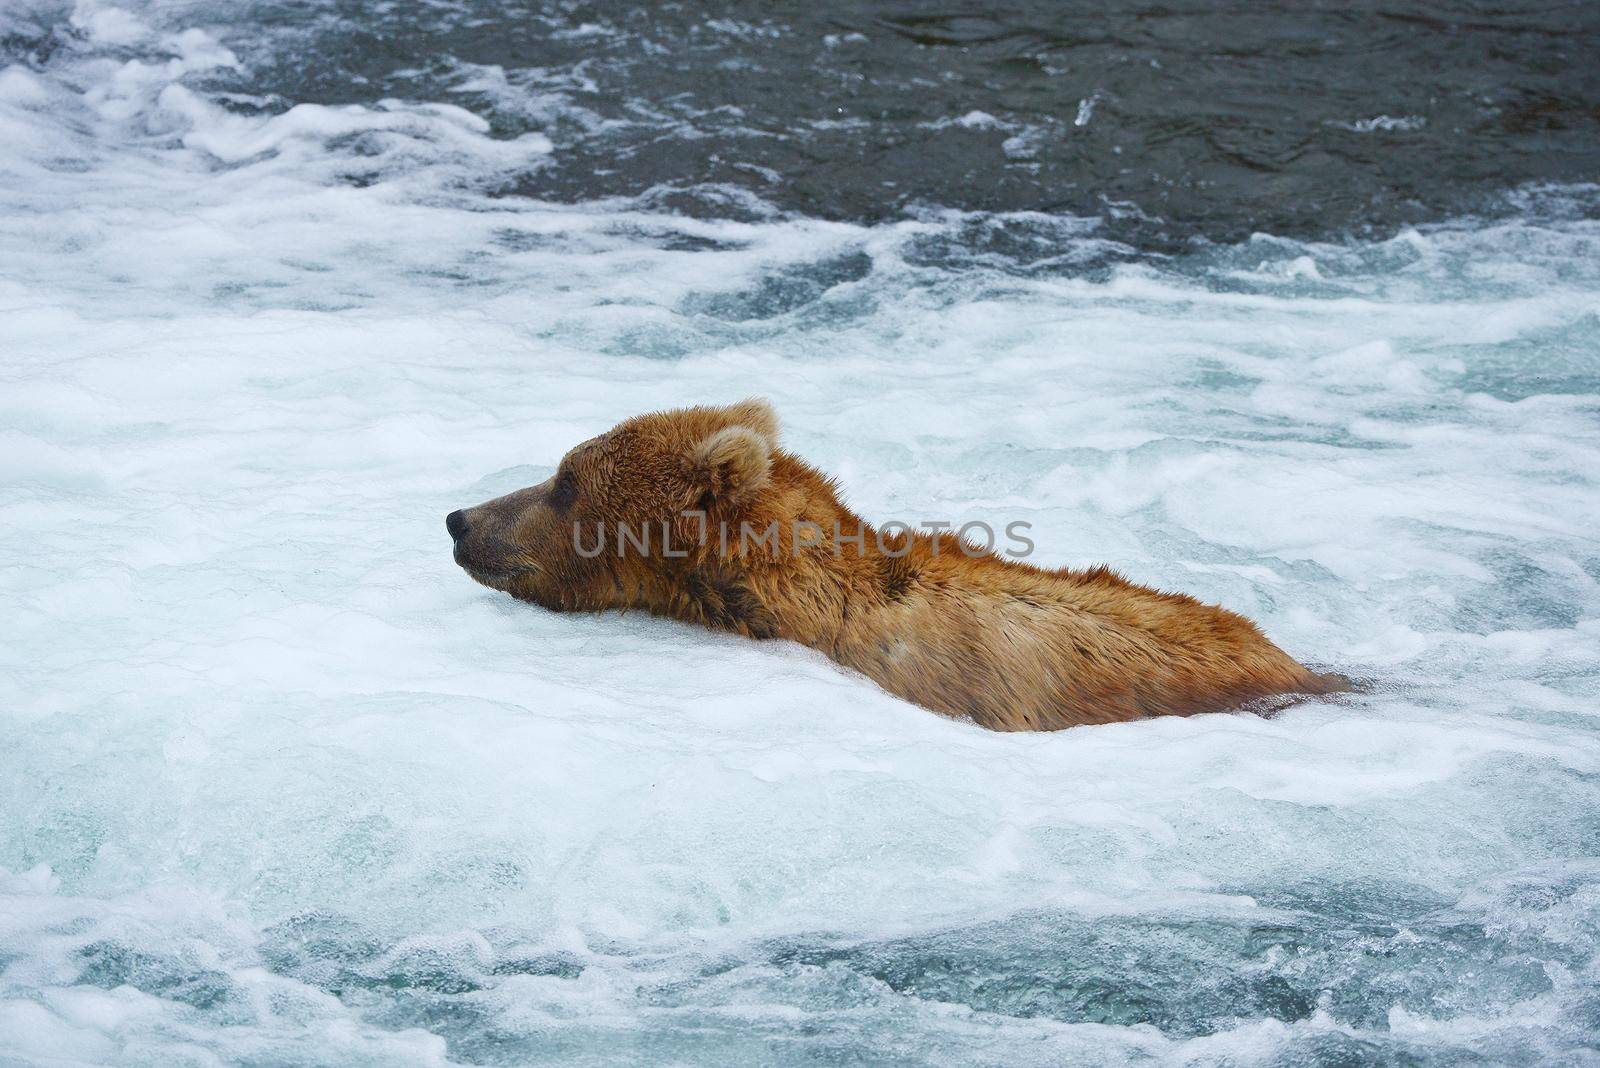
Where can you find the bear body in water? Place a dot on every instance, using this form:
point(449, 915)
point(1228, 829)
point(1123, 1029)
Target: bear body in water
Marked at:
point(697, 514)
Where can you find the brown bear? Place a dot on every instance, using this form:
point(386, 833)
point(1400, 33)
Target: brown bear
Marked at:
point(697, 514)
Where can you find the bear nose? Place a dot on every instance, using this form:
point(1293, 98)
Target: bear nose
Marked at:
point(456, 524)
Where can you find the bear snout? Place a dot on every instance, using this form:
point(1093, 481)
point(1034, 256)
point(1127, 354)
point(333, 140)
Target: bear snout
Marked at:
point(462, 549)
point(477, 544)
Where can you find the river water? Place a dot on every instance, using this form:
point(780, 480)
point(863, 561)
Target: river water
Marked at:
point(1297, 311)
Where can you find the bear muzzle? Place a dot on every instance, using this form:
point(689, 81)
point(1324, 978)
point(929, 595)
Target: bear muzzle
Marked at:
point(480, 549)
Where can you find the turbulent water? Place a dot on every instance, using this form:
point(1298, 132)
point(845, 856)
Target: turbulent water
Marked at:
point(282, 284)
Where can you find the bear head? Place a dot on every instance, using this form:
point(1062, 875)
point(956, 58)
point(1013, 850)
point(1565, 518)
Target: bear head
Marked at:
point(615, 524)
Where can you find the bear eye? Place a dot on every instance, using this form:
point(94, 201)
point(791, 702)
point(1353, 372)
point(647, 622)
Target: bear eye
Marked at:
point(565, 490)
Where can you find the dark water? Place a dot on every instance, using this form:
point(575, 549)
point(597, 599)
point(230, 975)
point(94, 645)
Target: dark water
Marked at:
point(1171, 120)
point(1217, 120)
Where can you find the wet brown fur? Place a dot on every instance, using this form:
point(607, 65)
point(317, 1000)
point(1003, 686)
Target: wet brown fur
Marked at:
point(1006, 644)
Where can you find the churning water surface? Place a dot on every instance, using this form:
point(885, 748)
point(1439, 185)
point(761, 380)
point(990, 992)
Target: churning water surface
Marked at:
point(1295, 310)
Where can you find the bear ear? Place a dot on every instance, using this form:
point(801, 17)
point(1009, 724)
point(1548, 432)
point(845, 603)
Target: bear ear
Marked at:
point(732, 464)
point(757, 414)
